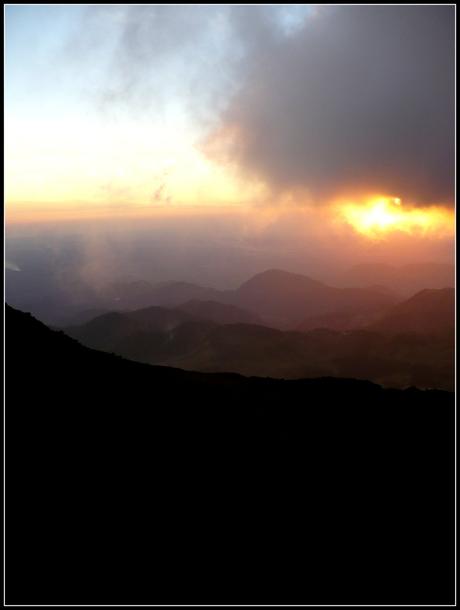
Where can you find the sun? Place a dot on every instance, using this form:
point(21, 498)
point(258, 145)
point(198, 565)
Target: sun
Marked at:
point(379, 216)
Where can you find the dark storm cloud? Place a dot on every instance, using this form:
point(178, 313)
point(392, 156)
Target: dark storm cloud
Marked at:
point(361, 97)
point(351, 98)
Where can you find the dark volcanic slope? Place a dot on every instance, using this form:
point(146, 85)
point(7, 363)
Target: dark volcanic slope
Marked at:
point(134, 484)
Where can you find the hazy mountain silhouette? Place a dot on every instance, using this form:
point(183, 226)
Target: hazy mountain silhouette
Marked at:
point(54, 284)
point(278, 298)
point(429, 312)
point(129, 484)
point(285, 299)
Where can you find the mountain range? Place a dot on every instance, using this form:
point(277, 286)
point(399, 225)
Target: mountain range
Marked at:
point(410, 343)
point(278, 298)
point(65, 297)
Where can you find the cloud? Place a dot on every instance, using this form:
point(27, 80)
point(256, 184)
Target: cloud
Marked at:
point(359, 98)
point(316, 101)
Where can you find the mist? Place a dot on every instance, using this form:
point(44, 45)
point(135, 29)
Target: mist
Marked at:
point(70, 266)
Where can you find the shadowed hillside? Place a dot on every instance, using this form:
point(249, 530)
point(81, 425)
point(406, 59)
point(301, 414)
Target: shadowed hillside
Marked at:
point(400, 360)
point(128, 483)
point(429, 312)
point(411, 355)
point(109, 330)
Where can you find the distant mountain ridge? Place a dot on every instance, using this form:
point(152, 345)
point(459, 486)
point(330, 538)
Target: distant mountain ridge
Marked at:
point(287, 298)
point(62, 301)
point(277, 298)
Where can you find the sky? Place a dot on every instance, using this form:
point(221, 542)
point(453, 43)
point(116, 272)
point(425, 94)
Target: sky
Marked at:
point(336, 116)
point(92, 122)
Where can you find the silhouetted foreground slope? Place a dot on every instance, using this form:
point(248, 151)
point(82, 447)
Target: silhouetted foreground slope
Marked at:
point(128, 483)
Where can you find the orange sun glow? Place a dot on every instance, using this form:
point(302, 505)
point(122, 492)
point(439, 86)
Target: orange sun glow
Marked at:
point(380, 215)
